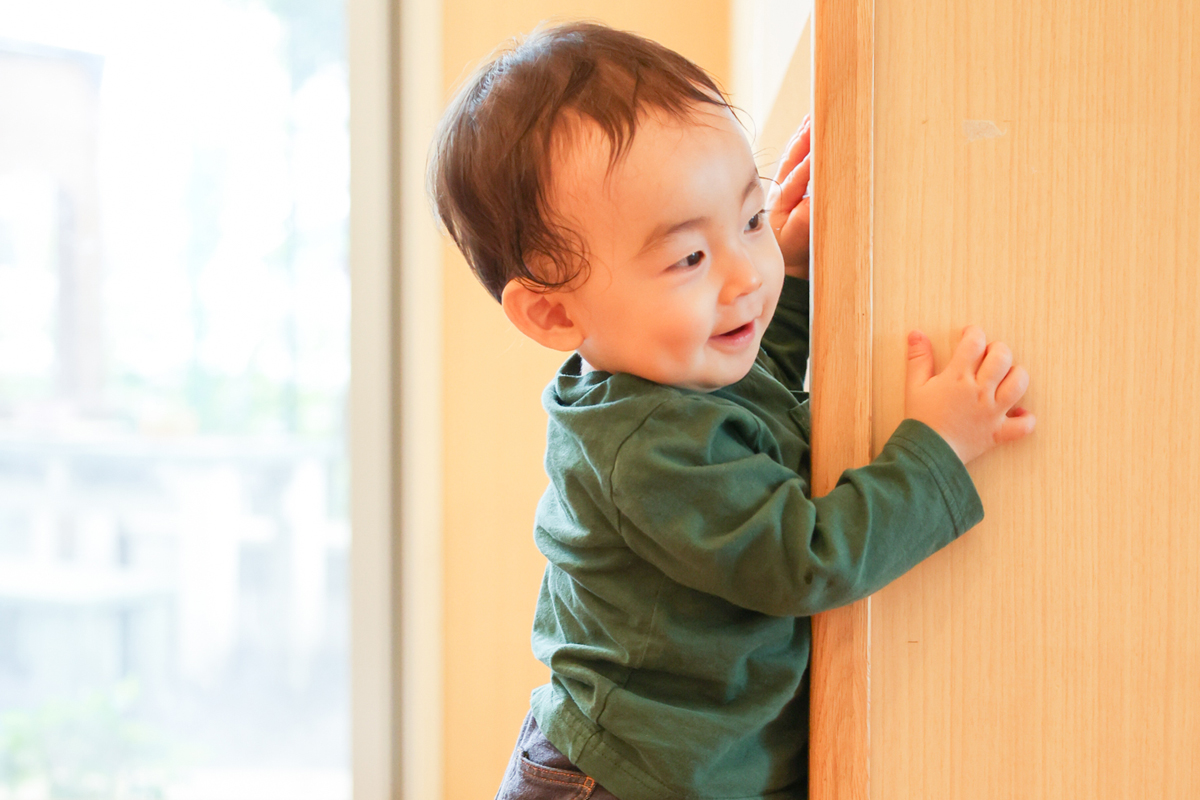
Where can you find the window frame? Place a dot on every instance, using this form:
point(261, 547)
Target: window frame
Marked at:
point(395, 403)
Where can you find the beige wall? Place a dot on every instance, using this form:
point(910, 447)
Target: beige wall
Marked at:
point(495, 428)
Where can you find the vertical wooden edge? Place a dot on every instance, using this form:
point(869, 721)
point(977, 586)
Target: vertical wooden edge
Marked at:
point(840, 746)
point(843, 149)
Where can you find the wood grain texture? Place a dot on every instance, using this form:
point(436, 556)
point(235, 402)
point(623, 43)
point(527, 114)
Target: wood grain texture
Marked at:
point(1038, 173)
point(843, 66)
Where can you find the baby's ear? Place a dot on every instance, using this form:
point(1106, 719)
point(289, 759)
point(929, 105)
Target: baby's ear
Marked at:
point(541, 315)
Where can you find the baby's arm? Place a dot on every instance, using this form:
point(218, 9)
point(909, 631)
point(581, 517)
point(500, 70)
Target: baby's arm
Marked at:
point(786, 339)
point(702, 494)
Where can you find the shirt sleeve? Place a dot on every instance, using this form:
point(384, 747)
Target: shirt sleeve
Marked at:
point(718, 514)
point(785, 342)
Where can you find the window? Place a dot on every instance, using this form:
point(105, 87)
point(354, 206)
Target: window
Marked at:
point(174, 357)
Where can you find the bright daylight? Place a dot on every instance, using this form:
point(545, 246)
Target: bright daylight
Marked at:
point(174, 306)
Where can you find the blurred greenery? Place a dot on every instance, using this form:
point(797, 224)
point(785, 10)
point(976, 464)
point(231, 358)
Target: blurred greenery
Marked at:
point(91, 747)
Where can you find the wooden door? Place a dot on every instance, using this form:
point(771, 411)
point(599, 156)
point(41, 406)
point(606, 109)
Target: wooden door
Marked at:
point(1033, 168)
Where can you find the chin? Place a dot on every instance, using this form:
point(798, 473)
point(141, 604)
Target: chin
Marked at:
point(718, 381)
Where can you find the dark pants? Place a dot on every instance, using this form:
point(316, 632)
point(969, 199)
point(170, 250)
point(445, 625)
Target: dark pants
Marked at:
point(537, 771)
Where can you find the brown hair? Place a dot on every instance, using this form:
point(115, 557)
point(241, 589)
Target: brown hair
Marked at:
point(490, 166)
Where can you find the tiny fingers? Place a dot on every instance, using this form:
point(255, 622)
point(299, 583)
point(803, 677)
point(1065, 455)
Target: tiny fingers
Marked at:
point(1017, 425)
point(1012, 388)
point(791, 191)
point(969, 352)
point(797, 150)
point(997, 361)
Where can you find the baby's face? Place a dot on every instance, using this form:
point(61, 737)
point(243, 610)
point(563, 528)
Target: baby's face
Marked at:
point(684, 271)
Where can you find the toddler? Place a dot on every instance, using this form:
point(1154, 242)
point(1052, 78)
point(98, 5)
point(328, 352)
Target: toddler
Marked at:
point(604, 193)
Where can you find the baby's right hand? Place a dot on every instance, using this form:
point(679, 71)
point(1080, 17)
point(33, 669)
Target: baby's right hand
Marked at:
point(972, 402)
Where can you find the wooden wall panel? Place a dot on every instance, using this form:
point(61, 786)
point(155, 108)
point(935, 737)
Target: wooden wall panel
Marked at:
point(1037, 171)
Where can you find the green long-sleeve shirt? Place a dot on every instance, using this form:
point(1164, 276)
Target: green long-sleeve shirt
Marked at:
point(686, 557)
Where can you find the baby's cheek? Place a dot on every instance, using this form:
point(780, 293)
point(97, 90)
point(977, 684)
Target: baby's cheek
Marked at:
point(774, 287)
point(777, 272)
point(686, 338)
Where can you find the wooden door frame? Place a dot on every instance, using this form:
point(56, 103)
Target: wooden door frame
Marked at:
point(842, 227)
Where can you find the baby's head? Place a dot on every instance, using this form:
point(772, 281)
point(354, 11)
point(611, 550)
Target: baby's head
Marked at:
point(602, 190)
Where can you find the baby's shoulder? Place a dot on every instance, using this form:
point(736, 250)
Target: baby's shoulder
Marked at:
point(598, 413)
point(619, 404)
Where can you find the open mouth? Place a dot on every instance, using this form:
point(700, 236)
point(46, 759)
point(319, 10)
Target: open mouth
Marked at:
point(737, 335)
point(738, 331)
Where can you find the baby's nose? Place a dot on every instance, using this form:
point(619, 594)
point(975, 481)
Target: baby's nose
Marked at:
point(741, 278)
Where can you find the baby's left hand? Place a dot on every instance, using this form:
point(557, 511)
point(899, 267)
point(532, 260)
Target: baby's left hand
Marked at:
point(788, 201)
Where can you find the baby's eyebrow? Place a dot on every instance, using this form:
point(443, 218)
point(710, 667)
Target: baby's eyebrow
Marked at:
point(666, 229)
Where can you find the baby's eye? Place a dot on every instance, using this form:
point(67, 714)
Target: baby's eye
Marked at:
point(756, 221)
point(691, 260)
